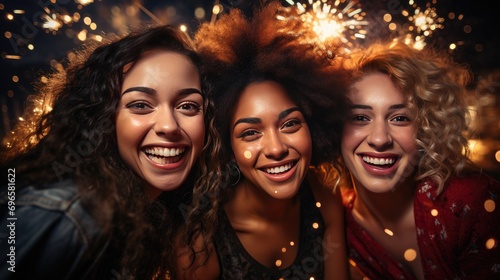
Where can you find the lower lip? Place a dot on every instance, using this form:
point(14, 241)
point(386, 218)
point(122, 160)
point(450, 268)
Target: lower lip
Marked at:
point(167, 166)
point(281, 177)
point(378, 171)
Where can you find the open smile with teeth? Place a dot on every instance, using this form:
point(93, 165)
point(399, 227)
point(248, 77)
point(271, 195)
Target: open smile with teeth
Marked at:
point(279, 169)
point(163, 155)
point(379, 161)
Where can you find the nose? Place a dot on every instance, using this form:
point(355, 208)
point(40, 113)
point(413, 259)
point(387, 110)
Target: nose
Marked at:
point(165, 122)
point(380, 136)
point(274, 146)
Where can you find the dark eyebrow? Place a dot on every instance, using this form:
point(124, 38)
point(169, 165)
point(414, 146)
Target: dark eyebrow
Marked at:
point(392, 107)
point(397, 106)
point(147, 90)
point(186, 91)
point(258, 120)
point(287, 112)
point(141, 89)
point(247, 120)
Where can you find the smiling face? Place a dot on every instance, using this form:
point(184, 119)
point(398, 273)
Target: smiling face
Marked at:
point(379, 137)
point(159, 123)
point(270, 140)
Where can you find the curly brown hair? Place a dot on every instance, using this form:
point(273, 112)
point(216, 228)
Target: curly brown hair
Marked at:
point(73, 137)
point(237, 51)
point(435, 87)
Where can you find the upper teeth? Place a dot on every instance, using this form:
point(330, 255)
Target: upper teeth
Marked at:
point(279, 169)
point(165, 152)
point(378, 161)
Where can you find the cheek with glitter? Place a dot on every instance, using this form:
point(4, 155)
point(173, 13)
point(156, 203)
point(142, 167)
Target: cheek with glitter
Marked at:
point(247, 154)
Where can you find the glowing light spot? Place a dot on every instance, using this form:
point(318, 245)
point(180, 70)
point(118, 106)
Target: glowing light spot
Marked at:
point(76, 17)
point(21, 119)
point(387, 17)
point(93, 26)
point(18, 12)
point(497, 155)
point(199, 13)
point(10, 16)
point(315, 225)
point(352, 262)
point(82, 36)
point(66, 18)
point(87, 20)
point(393, 26)
point(15, 79)
point(283, 249)
point(278, 263)
point(51, 23)
point(292, 243)
point(12, 56)
point(311, 278)
point(490, 243)
point(98, 38)
point(489, 205)
point(318, 204)
point(247, 154)
point(44, 79)
point(84, 2)
point(7, 34)
point(434, 212)
point(453, 46)
point(217, 9)
point(183, 28)
point(410, 255)
point(31, 47)
point(275, 191)
point(388, 232)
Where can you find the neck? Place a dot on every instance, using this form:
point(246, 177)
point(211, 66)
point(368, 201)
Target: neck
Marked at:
point(253, 201)
point(389, 208)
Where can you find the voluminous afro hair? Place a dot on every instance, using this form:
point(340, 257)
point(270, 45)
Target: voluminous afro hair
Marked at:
point(238, 51)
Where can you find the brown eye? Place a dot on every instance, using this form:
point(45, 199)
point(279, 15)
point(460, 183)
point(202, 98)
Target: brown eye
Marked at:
point(189, 108)
point(139, 107)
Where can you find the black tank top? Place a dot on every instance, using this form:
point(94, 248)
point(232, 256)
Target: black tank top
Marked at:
point(236, 263)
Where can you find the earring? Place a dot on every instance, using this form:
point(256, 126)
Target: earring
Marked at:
point(234, 172)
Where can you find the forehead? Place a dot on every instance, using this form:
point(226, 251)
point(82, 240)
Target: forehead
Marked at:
point(375, 88)
point(263, 96)
point(160, 63)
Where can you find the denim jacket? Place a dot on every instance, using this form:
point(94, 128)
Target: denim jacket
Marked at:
point(55, 237)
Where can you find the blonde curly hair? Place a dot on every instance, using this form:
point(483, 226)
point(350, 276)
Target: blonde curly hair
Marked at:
point(435, 88)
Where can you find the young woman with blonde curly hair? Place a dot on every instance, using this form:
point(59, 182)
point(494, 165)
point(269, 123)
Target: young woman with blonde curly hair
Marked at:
point(418, 209)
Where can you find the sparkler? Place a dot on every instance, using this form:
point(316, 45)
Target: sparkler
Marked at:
point(334, 23)
point(422, 23)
